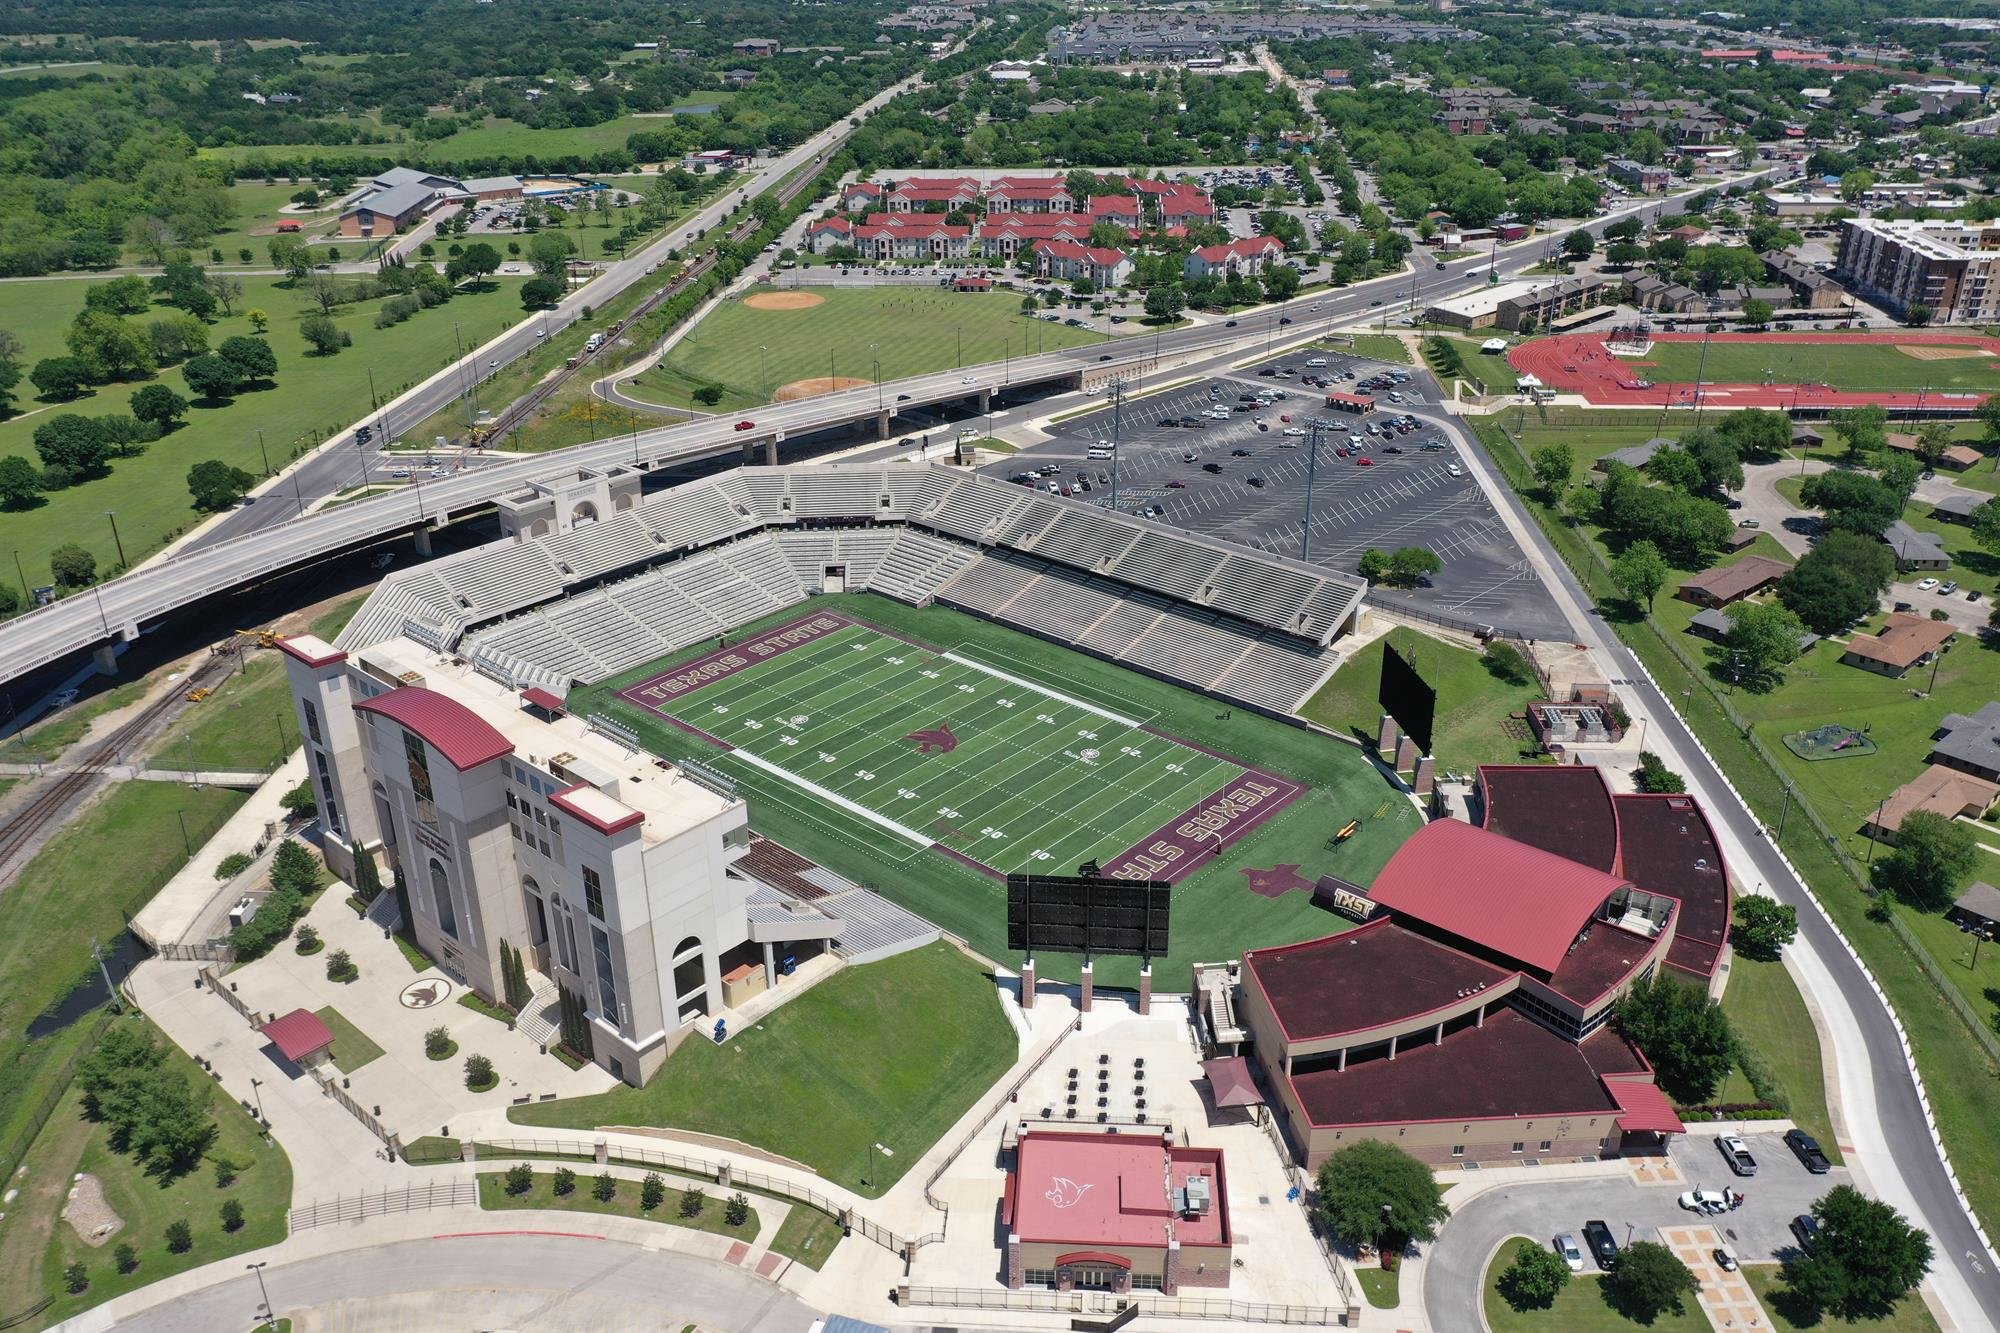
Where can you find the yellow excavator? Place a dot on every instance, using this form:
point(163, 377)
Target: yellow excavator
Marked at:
point(265, 638)
point(195, 696)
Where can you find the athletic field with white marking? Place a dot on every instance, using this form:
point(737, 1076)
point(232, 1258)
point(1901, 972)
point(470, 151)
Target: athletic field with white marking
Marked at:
point(938, 749)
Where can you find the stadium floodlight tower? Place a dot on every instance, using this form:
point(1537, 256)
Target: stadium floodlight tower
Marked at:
point(1117, 391)
point(1315, 425)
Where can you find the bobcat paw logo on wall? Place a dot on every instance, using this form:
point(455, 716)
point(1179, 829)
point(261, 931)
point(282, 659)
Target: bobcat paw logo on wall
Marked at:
point(934, 740)
point(1064, 1192)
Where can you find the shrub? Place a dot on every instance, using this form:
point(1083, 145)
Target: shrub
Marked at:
point(1505, 662)
point(225, 1173)
point(737, 1210)
point(652, 1191)
point(75, 1278)
point(605, 1188)
point(300, 802)
point(232, 865)
point(180, 1236)
point(125, 1257)
point(1654, 776)
point(693, 1200)
point(438, 1043)
point(520, 1178)
point(479, 1075)
point(340, 967)
point(307, 941)
point(565, 1182)
point(232, 1215)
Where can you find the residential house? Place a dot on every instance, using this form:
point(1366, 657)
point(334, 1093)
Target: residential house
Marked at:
point(1969, 743)
point(1916, 549)
point(1068, 261)
point(1905, 641)
point(1732, 583)
point(1248, 255)
point(1941, 791)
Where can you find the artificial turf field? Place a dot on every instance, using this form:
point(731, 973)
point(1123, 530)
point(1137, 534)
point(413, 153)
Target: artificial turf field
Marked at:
point(1009, 772)
point(1856, 366)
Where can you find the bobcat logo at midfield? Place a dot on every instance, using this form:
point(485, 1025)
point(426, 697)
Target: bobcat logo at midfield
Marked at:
point(1064, 1192)
point(936, 740)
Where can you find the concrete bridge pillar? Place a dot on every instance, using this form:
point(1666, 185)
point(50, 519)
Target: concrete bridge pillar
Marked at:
point(105, 657)
point(771, 451)
point(984, 398)
point(882, 425)
point(423, 540)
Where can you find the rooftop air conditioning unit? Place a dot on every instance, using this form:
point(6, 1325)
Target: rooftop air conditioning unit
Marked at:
point(1195, 1196)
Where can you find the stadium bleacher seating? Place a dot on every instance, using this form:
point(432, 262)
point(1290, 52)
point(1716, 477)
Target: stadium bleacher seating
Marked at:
point(702, 558)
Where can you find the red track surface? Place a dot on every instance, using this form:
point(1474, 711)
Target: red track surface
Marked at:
point(1578, 363)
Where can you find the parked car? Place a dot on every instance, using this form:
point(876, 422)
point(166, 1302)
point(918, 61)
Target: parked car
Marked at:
point(1725, 1258)
point(1737, 1153)
point(1364, 462)
point(1212, 468)
point(1925, 585)
point(1949, 587)
point(1709, 1203)
point(1806, 1148)
point(1565, 1245)
point(1806, 1228)
point(1602, 1247)
point(1239, 453)
point(1258, 482)
point(1176, 485)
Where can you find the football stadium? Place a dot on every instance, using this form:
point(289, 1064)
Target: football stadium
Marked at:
point(918, 681)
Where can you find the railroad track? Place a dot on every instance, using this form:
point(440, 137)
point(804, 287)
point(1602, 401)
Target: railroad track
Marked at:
point(55, 798)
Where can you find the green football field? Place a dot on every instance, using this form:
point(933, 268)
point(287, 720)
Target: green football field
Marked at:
point(1857, 366)
point(940, 749)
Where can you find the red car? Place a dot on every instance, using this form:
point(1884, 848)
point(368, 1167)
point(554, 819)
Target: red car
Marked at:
point(1285, 417)
point(746, 425)
point(1364, 462)
point(1177, 485)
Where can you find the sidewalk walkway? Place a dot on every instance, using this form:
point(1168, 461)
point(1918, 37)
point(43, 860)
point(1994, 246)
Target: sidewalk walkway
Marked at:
point(182, 905)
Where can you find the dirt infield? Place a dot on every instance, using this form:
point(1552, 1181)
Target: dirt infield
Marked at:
point(1935, 353)
point(784, 301)
point(813, 388)
point(1580, 363)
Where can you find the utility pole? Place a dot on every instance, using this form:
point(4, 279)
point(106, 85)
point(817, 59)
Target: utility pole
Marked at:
point(112, 514)
point(110, 991)
point(1313, 427)
point(1117, 431)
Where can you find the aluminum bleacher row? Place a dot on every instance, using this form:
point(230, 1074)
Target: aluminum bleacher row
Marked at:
point(702, 558)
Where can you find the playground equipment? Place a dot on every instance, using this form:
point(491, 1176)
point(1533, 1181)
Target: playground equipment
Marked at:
point(1832, 741)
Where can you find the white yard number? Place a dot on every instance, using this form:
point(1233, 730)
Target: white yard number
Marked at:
point(1003, 703)
point(1044, 717)
point(893, 661)
point(991, 832)
point(1175, 768)
point(906, 793)
point(826, 758)
point(947, 812)
point(752, 724)
point(788, 740)
point(928, 675)
point(1087, 735)
point(719, 709)
point(1128, 750)
point(864, 775)
point(1039, 855)
point(965, 689)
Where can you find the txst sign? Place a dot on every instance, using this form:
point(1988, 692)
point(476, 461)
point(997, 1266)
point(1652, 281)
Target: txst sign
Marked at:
point(1206, 828)
point(725, 662)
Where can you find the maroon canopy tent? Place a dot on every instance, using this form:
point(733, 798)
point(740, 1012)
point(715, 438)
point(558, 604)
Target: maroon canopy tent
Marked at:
point(1229, 1080)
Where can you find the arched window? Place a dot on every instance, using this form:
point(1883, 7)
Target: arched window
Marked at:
point(690, 979)
point(441, 895)
point(538, 921)
point(585, 512)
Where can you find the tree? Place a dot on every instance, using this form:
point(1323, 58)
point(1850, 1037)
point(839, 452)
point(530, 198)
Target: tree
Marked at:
point(113, 348)
point(60, 377)
point(1900, 476)
point(321, 333)
point(1579, 245)
point(1371, 1191)
point(1554, 464)
point(1535, 1278)
point(1648, 1282)
point(520, 1178)
point(708, 395)
point(259, 318)
point(539, 293)
point(475, 261)
point(1864, 429)
point(227, 292)
point(1676, 468)
point(232, 1215)
point(564, 1183)
point(290, 254)
point(159, 406)
point(216, 485)
point(1933, 438)
point(1865, 1260)
point(210, 378)
point(1758, 312)
point(20, 484)
point(1165, 302)
point(120, 296)
point(341, 967)
point(1653, 775)
point(76, 1278)
point(1763, 927)
point(1838, 581)
point(1918, 315)
point(251, 358)
point(1763, 640)
point(1852, 501)
point(605, 1188)
point(1281, 282)
point(1374, 565)
point(1683, 1033)
point(1986, 526)
point(124, 1257)
point(1933, 855)
point(367, 878)
point(693, 1199)
point(78, 445)
point(326, 292)
point(652, 1192)
point(736, 1209)
point(1505, 662)
point(72, 566)
point(550, 253)
point(479, 1075)
point(1410, 565)
point(1640, 571)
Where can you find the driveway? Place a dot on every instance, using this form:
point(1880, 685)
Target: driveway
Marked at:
point(1791, 526)
point(1781, 1190)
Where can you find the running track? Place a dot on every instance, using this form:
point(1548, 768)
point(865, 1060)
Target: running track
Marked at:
point(1579, 363)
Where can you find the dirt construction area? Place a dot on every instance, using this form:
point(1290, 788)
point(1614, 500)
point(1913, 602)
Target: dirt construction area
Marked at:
point(813, 388)
point(784, 301)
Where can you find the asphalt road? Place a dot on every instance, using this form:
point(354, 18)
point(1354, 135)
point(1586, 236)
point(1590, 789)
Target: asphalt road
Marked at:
point(242, 556)
point(1758, 1231)
point(1880, 1112)
point(496, 1280)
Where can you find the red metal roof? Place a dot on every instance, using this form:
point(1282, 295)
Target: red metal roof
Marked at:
point(464, 738)
point(543, 699)
point(1642, 1107)
point(298, 1034)
point(1519, 901)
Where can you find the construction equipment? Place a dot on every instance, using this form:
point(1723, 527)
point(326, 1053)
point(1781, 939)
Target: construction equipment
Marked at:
point(196, 695)
point(265, 638)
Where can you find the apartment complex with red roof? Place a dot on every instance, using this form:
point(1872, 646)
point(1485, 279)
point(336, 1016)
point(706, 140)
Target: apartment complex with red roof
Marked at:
point(1068, 261)
point(1247, 255)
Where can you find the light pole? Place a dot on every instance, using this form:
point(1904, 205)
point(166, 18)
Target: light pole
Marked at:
point(257, 1091)
point(261, 451)
point(1313, 427)
point(262, 1290)
point(874, 1148)
point(112, 514)
point(764, 370)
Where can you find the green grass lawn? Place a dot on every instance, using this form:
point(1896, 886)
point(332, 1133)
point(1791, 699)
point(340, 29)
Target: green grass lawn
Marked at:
point(1382, 347)
point(1215, 914)
point(258, 208)
point(84, 885)
point(833, 1072)
point(330, 622)
point(313, 397)
point(1581, 1308)
point(1768, 1013)
point(48, 738)
point(909, 330)
point(806, 1235)
point(1854, 366)
point(1379, 1285)
point(1473, 709)
point(351, 1047)
point(493, 1196)
point(147, 1203)
point(1911, 1315)
point(248, 723)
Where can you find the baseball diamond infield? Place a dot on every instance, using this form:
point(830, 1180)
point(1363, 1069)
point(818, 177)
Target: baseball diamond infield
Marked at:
point(783, 300)
point(1902, 371)
point(814, 387)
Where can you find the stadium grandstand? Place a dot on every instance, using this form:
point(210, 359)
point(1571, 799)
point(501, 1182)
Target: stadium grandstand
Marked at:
point(670, 569)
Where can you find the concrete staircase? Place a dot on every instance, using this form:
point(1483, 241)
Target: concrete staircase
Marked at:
point(384, 911)
point(540, 1020)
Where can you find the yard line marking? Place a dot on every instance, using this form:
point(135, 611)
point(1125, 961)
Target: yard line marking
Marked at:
point(834, 798)
point(1040, 689)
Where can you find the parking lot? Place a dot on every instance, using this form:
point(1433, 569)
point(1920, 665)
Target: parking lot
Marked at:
point(1244, 478)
